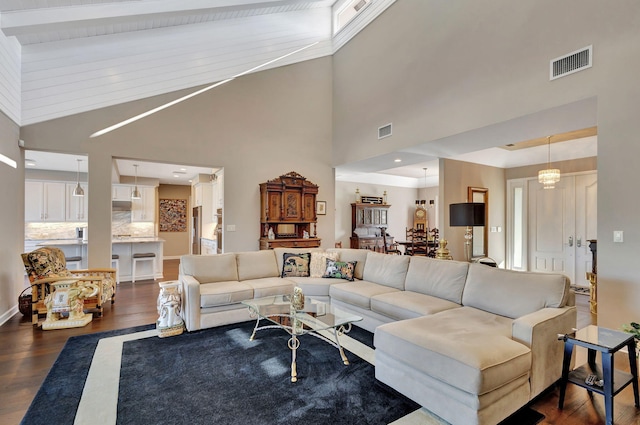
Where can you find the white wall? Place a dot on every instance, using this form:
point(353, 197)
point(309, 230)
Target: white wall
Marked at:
point(11, 220)
point(440, 69)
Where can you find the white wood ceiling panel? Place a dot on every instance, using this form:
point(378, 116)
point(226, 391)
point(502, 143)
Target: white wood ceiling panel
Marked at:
point(10, 98)
point(56, 84)
point(79, 55)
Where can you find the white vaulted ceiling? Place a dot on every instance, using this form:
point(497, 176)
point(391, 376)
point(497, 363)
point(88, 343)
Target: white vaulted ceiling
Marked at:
point(79, 55)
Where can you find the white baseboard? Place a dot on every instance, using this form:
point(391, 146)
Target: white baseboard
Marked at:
point(9, 314)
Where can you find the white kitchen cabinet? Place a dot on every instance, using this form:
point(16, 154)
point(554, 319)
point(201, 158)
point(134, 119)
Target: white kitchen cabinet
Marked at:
point(198, 195)
point(121, 192)
point(77, 206)
point(45, 201)
point(144, 209)
point(207, 246)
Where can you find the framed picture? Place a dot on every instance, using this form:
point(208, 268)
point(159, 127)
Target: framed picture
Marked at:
point(321, 207)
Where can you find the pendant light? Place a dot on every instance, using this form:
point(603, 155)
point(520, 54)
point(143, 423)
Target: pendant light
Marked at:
point(78, 191)
point(550, 176)
point(136, 193)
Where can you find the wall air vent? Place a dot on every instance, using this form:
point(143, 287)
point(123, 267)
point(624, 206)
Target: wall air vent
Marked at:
point(384, 131)
point(570, 63)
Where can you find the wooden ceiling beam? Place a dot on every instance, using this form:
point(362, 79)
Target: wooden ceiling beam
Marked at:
point(555, 138)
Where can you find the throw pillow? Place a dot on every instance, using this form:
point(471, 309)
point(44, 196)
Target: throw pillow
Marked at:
point(295, 265)
point(318, 263)
point(340, 269)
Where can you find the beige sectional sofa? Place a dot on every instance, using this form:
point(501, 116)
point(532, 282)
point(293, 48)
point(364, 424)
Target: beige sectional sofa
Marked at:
point(470, 343)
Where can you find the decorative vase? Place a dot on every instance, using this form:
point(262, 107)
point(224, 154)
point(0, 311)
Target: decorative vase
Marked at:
point(297, 299)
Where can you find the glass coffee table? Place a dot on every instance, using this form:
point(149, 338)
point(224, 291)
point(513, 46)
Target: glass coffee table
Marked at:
point(315, 318)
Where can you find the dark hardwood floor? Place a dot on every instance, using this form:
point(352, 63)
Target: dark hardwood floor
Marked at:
point(27, 354)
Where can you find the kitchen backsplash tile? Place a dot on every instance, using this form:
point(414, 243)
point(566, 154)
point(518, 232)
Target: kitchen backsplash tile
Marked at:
point(121, 225)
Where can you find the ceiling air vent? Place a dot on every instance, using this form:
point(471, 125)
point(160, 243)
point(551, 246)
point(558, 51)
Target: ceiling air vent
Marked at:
point(384, 131)
point(570, 63)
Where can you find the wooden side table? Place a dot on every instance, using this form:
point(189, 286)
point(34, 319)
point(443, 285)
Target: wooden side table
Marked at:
point(608, 381)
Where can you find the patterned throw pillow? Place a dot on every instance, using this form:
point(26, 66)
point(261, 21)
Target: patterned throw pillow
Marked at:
point(295, 265)
point(319, 262)
point(340, 269)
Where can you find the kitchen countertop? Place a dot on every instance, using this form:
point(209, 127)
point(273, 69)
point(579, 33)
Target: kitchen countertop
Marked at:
point(60, 242)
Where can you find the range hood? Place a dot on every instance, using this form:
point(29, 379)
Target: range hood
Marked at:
point(120, 205)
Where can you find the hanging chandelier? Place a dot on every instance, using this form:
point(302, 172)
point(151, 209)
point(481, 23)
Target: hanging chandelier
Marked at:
point(550, 176)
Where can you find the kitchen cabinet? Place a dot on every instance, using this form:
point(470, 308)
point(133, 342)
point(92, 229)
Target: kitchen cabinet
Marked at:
point(45, 201)
point(77, 206)
point(207, 246)
point(144, 209)
point(198, 195)
point(121, 192)
point(218, 191)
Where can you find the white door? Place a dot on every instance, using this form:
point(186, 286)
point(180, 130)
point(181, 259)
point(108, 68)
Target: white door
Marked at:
point(561, 223)
point(551, 227)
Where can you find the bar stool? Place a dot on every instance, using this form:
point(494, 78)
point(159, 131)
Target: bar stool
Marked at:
point(115, 264)
point(143, 256)
point(76, 261)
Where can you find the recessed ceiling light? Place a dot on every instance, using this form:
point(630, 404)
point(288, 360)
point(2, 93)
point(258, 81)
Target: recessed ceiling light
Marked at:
point(176, 175)
point(397, 160)
point(183, 169)
point(30, 162)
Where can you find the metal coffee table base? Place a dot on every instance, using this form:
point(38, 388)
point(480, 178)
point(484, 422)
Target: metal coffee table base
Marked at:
point(294, 342)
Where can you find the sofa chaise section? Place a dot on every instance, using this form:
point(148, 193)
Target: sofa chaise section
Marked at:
point(478, 363)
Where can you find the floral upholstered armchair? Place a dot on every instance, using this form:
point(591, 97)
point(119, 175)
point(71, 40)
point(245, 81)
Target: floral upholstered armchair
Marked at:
point(47, 265)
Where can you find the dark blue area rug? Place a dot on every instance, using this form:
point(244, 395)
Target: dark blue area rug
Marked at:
point(218, 376)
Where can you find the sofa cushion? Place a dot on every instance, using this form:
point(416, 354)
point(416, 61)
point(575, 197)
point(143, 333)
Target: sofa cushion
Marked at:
point(387, 270)
point(280, 251)
point(466, 348)
point(318, 263)
point(441, 278)
point(340, 270)
point(402, 305)
point(295, 264)
point(315, 286)
point(210, 268)
point(358, 255)
point(265, 287)
point(257, 264)
point(224, 293)
point(511, 293)
point(358, 293)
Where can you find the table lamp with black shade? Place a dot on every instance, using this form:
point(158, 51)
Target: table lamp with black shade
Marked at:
point(468, 214)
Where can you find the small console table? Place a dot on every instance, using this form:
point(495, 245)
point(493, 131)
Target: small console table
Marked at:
point(607, 381)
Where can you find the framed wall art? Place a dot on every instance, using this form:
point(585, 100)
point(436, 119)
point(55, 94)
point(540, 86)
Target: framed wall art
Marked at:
point(173, 215)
